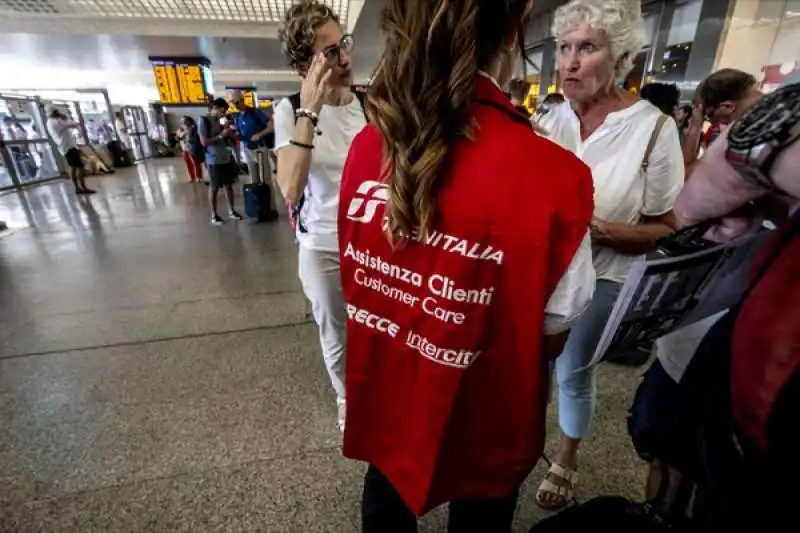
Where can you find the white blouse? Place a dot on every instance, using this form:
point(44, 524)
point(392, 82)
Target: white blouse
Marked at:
point(614, 152)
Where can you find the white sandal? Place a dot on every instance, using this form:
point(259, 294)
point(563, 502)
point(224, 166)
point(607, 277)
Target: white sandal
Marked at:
point(342, 412)
point(548, 487)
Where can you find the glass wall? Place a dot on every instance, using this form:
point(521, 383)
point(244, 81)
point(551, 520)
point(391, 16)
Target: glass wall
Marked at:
point(90, 104)
point(680, 40)
point(28, 155)
point(763, 38)
point(670, 28)
point(138, 135)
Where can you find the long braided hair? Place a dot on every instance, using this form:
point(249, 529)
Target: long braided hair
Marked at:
point(421, 93)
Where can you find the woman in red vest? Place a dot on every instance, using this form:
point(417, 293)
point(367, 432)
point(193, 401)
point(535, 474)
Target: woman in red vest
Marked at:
point(465, 255)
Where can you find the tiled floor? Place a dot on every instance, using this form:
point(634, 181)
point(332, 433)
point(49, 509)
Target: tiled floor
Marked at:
point(157, 373)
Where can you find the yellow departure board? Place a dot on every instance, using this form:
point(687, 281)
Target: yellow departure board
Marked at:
point(249, 98)
point(180, 81)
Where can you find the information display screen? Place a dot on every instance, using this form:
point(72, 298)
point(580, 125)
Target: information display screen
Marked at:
point(248, 94)
point(181, 81)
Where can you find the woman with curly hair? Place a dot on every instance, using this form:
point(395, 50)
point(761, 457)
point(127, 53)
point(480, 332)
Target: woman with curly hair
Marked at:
point(311, 143)
point(637, 166)
point(463, 265)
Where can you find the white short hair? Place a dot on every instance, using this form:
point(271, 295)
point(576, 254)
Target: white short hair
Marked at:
point(620, 20)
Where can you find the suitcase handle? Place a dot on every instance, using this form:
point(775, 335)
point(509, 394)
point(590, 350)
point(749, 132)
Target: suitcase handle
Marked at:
point(260, 159)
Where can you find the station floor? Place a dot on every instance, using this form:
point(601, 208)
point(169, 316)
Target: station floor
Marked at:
point(158, 374)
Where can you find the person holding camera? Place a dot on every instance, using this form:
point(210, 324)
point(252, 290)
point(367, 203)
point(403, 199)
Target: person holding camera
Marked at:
point(60, 127)
point(222, 169)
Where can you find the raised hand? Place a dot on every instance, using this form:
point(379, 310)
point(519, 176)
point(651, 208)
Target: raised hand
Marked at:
point(316, 87)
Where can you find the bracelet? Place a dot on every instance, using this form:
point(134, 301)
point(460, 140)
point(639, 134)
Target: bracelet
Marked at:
point(307, 113)
point(302, 145)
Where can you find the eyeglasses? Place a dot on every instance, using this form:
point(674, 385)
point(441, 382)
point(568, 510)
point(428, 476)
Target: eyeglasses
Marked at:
point(333, 53)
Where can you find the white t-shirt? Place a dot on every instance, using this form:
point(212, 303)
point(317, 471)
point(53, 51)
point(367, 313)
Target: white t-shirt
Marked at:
point(339, 125)
point(574, 291)
point(622, 191)
point(60, 129)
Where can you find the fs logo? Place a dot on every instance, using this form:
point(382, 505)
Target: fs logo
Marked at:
point(369, 196)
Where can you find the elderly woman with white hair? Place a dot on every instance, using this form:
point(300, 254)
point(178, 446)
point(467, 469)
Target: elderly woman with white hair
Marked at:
point(635, 156)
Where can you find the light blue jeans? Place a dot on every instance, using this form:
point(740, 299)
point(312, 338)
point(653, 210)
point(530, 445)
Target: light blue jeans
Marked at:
point(577, 390)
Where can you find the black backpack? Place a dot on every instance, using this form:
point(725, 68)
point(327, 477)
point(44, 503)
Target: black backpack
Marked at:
point(295, 210)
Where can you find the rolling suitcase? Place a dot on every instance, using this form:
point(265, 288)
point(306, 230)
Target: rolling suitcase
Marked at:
point(258, 196)
point(120, 157)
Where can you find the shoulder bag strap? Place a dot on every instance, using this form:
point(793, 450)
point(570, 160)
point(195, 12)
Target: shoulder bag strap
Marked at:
point(294, 99)
point(662, 119)
point(651, 144)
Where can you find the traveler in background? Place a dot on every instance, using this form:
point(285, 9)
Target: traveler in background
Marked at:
point(257, 132)
point(457, 300)
point(611, 130)
point(122, 130)
point(553, 100)
point(682, 117)
point(60, 127)
point(105, 133)
point(196, 146)
point(311, 147)
point(194, 162)
point(222, 169)
point(21, 153)
point(656, 413)
point(550, 102)
point(665, 96)
point(720, 99)
point(759, 337)
point(518, 89)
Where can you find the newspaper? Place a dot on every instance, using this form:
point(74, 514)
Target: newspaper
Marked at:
point(665, 294)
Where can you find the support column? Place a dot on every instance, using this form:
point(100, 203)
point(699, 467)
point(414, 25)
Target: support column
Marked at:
point(711, 29)
point(547, 74)
point(655, 56)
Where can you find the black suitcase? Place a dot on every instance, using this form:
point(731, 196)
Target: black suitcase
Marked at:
point(120, 158)
point(258, 196)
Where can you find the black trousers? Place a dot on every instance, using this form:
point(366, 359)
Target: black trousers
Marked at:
point(383, 511)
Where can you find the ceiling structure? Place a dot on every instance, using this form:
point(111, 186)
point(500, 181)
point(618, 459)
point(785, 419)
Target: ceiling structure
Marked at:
point(241, 11)
point(215, 18)
point(65, 44)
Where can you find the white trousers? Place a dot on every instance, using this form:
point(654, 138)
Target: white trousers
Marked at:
point(319, 274)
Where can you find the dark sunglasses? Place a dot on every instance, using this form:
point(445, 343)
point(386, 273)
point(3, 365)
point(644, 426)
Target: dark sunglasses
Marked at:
point(333, 53)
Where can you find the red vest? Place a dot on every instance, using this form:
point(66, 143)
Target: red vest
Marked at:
point(446, 383)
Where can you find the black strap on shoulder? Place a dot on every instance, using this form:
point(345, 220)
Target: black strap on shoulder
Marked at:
point(294, 99)
point(297, 208)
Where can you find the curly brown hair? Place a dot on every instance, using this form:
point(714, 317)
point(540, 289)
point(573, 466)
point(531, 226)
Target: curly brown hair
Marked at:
point(300, 24)
point(421, 93)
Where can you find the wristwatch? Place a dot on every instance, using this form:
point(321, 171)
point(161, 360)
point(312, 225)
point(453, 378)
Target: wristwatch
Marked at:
point(765, 130)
